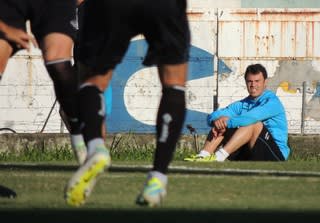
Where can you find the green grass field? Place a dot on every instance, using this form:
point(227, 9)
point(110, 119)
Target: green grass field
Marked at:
point(215, 192)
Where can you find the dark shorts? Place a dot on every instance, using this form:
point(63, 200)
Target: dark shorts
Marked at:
point(46, 16)
point(265, 148)
point(109, 25)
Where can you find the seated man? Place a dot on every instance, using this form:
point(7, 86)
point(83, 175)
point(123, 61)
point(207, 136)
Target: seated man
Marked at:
point(254, 128)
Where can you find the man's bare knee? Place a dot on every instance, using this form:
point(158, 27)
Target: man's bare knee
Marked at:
point(6, 51)
point(257, 127)
point(57, 46)
point(173, 74)
point(256, 130)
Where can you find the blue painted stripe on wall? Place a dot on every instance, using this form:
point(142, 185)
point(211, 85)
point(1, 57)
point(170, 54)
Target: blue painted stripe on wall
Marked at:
point(200, 65)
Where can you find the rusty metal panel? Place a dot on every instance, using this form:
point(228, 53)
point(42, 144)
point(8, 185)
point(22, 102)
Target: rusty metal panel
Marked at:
point(269, 33)
point(213, 4)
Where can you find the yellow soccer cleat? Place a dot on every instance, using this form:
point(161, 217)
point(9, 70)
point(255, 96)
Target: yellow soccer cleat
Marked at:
point(82, 182)
point(198, 158)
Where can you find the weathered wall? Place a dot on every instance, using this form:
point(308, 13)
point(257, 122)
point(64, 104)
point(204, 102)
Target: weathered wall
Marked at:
point(287, 42)
point(280, 4)
point(255, 3)
point(224, 42)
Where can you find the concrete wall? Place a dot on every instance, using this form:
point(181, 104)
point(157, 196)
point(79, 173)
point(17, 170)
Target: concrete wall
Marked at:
point(224, 41)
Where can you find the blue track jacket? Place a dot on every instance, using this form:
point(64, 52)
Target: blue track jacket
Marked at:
point(267, 109)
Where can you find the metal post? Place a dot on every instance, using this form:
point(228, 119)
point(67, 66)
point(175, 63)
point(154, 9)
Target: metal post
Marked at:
point(216, 63)
point(61, 126)
point(303, 109)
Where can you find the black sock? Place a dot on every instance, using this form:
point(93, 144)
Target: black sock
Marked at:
point(170, 121)
point(91, 112)
point(65, 85)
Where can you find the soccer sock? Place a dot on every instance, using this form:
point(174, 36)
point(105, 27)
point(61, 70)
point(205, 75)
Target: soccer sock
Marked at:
point(170, 120)
point(65, 85)
point(221, 155)
point(204, 153)
point(93, 144)
point(76, 139)
point(91, 112)
point(0, 76)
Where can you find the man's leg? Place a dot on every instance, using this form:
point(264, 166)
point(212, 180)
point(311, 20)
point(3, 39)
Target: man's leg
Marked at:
point(5, 53)
point(170, 119)
point(210, 146)
point(265, 148)
point(92, 108)
point(243, 135)
point(57, 49)
point(92, 117)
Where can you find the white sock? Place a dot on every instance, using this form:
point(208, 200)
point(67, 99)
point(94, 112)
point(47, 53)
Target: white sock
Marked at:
point(93, 144)
point(204, 153)
point(221, 155)
point(76, 140)
point(162, 177)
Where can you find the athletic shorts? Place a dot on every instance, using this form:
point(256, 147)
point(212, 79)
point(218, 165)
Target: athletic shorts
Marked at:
point(109, 25)
point(46, 16)
point(265, 148)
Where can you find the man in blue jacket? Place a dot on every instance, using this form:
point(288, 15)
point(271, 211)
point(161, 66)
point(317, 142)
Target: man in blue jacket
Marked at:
point(254, 128)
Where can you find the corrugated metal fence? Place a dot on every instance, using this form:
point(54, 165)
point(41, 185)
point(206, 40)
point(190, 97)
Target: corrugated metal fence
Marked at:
point(224, 42)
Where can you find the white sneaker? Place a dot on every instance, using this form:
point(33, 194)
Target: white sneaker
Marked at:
point(82, 182)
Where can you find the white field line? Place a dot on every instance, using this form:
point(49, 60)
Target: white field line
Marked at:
point(172, 169)
point(228, 171)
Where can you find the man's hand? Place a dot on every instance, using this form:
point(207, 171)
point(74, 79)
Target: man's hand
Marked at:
point(20, 37)
point(221, 123)
point(217, 132)
point(220, 126)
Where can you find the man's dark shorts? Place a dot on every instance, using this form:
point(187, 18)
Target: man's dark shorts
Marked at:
point(110, 25)
point(46, 16)
point(265, 148)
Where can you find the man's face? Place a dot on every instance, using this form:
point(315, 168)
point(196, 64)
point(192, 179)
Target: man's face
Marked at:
point(255, 84)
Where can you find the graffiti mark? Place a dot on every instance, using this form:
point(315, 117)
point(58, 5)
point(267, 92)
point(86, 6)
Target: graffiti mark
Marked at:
point(290, 76)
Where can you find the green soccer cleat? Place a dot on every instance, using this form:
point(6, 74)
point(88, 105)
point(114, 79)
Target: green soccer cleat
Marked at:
point(82, 182)
point(152, 194)
point(198, 158)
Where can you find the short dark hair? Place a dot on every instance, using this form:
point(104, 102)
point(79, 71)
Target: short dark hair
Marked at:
point(255, 69)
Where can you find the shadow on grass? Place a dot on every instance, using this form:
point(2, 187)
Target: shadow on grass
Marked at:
point(145, 215)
